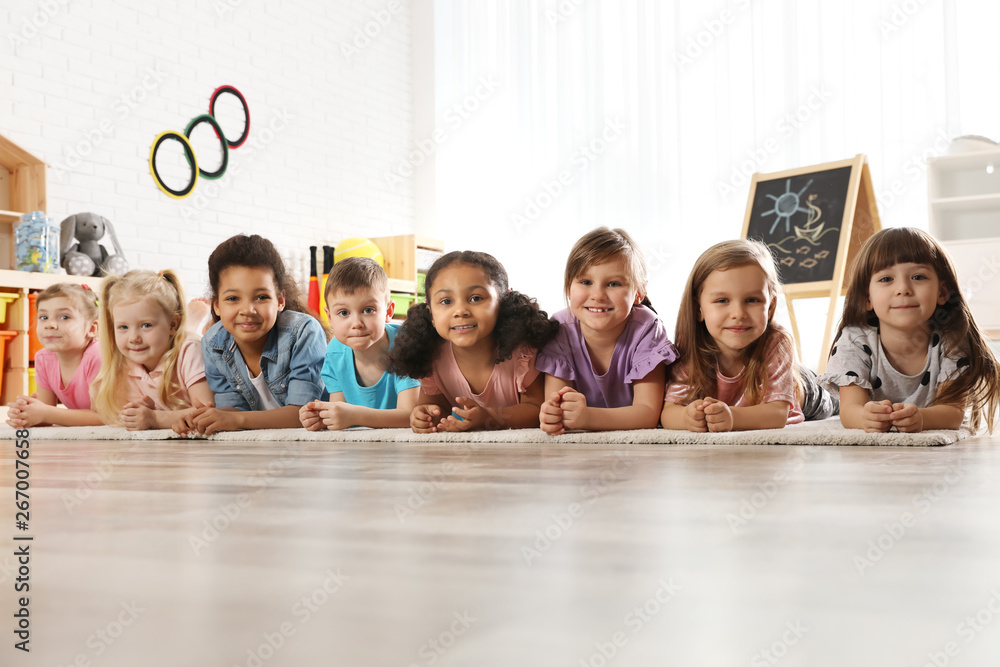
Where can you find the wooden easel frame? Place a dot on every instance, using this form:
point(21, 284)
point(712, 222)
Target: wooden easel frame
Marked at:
point(860, 221)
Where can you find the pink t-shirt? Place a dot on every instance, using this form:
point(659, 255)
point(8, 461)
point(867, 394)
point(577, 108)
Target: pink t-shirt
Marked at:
point(190, 371)
point(76, 394)
point(508, 381)
point(779, 385)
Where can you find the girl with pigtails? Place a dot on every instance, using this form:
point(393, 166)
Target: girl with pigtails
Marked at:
point(472, 345)
point(151, 375)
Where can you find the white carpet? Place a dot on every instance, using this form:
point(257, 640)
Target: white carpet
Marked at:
point(828, 432)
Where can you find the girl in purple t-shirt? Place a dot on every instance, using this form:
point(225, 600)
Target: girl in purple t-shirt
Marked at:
point(66, 322)
point(605, 370)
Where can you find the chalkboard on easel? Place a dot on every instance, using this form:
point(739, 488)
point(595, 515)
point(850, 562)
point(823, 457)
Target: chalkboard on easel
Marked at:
point(814, 220)
point(800, 218)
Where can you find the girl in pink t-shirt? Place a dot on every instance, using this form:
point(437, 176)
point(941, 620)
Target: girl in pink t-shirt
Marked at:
point(472, 345)
point(152, 376)
point(737, 369)
point(66, 366)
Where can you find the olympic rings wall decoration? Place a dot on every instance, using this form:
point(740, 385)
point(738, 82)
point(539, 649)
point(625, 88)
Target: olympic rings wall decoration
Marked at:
point(184, 139)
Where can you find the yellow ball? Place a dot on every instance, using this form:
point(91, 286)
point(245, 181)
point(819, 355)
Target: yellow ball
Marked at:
point(357, 246)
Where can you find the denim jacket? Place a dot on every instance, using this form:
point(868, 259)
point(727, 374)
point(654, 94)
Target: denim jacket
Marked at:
point(291, 363)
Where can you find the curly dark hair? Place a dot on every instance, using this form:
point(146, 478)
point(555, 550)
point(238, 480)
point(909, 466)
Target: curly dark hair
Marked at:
point(519, 320)
point(257, 252)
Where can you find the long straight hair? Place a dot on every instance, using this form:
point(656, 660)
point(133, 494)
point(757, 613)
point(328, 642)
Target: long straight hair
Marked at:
point(978, 387)
point(110, 389)
point(699, 351)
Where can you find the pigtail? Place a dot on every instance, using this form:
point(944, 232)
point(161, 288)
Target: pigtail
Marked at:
point(171, 387)
point(416, 345)
point(649, 304)
point(520, 322)
point(108, 392)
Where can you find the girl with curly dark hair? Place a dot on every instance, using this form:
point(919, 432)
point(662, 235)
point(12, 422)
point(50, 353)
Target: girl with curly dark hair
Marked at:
point(472, 345)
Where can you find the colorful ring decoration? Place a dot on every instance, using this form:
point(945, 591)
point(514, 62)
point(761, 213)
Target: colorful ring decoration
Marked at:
point(185, 142)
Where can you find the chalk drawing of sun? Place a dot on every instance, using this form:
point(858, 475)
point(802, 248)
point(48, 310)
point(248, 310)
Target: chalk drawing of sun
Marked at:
point(787, 205)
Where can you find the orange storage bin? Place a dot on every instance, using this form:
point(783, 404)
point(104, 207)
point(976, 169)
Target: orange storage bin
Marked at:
point(34, 345)
point(4, 337)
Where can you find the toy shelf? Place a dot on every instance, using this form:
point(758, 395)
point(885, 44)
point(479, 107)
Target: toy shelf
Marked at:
point(406, 256)
point(22, 189)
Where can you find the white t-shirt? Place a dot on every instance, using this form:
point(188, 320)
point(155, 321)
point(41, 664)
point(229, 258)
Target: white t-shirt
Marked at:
point(267, 399)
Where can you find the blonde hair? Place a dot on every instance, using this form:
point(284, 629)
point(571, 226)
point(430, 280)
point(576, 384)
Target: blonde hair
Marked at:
point(110, 391)
point(979, 386)
point(603, 245)
point(699, 351)
point(83, 298)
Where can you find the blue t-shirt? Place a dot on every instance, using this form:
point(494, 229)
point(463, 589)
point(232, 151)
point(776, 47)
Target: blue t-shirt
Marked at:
point(339, 375)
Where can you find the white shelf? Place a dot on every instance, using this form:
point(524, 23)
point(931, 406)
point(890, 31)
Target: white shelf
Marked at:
point(967, 203)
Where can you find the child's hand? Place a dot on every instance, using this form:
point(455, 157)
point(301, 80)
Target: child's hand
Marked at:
point(550, 415)
point(208, 420)
point(138, 415)
point(877, 416)
point(906, 417)
point(574, 408)
point(718, 415)
point(423, 417)
point(184, 424)
point(27, 411)
point(472, 417)
point(309, 415)
point(694, 417)
point(334, 416)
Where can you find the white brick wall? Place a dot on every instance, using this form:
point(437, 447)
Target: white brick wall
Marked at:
point(316, 181)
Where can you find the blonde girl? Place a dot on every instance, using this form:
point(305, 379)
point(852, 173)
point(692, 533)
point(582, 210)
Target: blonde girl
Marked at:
point(66, 323)
point(152, 375)
point(908, 355)
point(605, 370)
point(737, 369)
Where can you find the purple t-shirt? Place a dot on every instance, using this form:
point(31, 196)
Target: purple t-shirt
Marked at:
point(641, 347)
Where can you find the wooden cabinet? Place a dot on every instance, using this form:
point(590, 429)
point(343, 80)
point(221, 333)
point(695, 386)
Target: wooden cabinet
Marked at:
point(406, 257)
point(964, 206)
point(22, 190)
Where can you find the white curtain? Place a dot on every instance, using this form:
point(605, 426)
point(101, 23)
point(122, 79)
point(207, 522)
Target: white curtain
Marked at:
point(555, 117)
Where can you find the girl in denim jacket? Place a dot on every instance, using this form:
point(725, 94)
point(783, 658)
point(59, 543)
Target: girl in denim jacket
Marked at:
point(264, 353)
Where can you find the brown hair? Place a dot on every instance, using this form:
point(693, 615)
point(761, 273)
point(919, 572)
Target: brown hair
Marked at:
point(357, 273)
point(254, 251)
point(603, 245)
point(84, 299)
point(110, 391)
point(699, 350)
point(978, 387)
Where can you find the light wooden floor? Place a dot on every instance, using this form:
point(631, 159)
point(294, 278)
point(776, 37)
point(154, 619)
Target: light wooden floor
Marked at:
point(431, 555)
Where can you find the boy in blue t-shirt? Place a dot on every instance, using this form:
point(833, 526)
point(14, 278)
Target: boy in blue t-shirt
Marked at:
point(362, 393)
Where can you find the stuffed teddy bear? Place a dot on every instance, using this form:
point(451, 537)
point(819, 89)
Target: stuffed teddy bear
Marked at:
point(87, 257)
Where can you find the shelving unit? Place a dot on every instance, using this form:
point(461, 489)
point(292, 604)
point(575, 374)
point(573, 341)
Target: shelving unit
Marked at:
point(406, 256)
point(22, 190)
point(964, 207)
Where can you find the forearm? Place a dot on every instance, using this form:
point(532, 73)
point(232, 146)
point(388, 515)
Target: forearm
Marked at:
point(621, 419)
point(362, 415)
point(942, 417)
point(60, 417)
point(522, 415)
point(852, 416)
point(764, 416)
point(285, 417)
point(672, 416)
